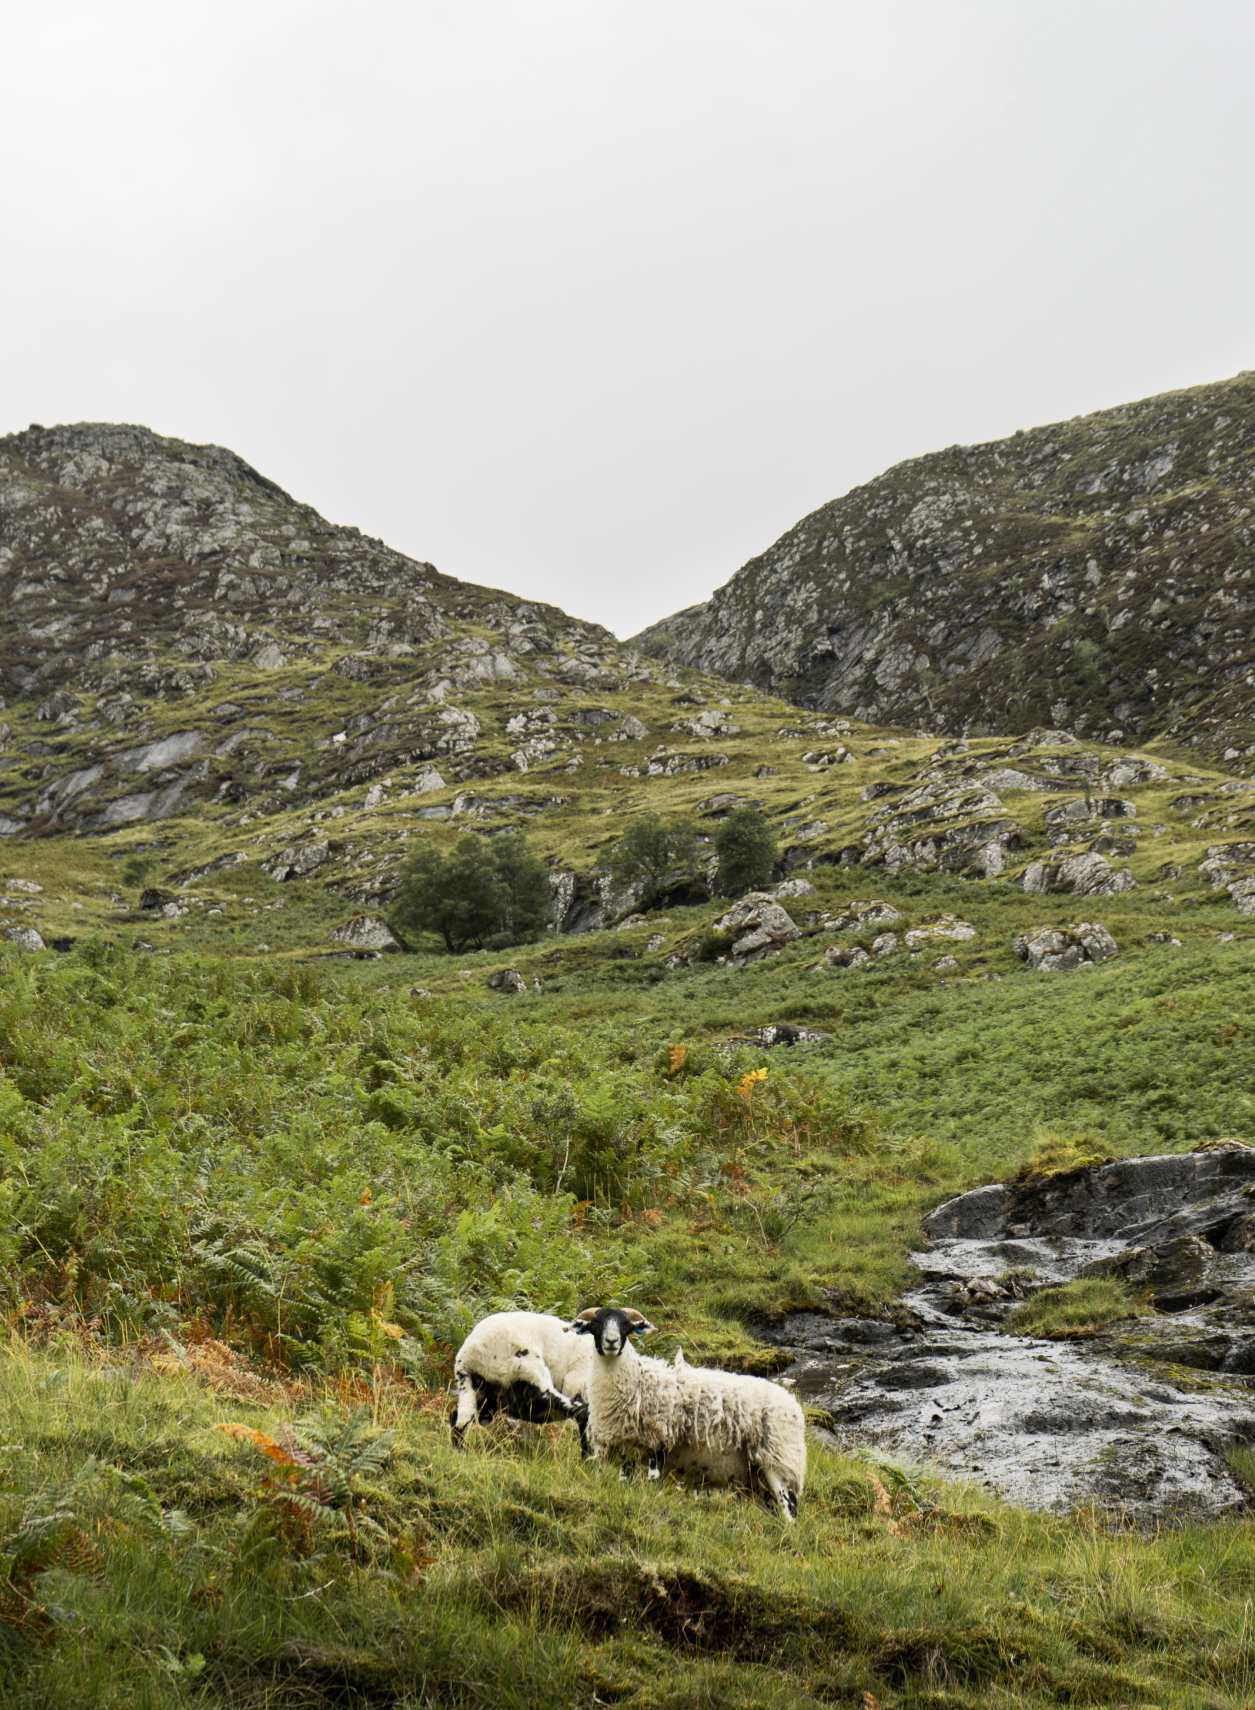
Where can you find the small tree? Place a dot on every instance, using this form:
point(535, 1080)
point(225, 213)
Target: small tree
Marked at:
point(745, 847)
point(460, 895)
point(525, 880)
point(654, 854)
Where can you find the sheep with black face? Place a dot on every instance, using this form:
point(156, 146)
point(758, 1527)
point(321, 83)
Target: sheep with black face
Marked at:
point(527, 1365)
point(731, 1428)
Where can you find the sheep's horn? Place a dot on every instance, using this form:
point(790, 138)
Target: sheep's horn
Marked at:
point(631, 1313)
point(588, 1312)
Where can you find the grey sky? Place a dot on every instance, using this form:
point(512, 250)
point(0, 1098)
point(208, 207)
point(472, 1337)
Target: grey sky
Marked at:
point(591, 299)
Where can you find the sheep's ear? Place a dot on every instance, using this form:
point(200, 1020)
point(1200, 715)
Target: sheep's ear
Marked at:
point(583, 1321)
point(638, 1325)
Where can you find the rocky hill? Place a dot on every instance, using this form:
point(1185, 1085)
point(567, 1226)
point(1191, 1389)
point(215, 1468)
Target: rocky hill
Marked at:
point(221, 705)
point(1096, 573)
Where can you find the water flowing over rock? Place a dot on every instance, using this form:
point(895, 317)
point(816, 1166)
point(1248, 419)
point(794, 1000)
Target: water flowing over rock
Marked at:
point(1107, 1419)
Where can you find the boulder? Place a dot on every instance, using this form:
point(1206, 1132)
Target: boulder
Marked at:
point(758, 927)
point(793, 888)
point(298, 861)
point(884, 944)
point(947, 926)
point(507, 980)
point(365, 932)
point(24, 937)
point(1056, 949)
point(1088, 875)
point(783, 1033)
point(1131, 772)
point(845, 956)
point(868, 912)
point(1079, 811)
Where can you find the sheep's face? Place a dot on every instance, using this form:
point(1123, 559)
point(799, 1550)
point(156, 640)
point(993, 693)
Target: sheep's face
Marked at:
point(611, 1327)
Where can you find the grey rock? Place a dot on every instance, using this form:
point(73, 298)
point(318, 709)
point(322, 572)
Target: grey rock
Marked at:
point(845, 956)
point(366, 932)
point(870, 911)
point(759, 927)
point(1079, 811)
point(793, 888)
point(297, 861)
point(23, 937)
point(1085, 875)
point(507, 980)
point(783, 1033)
point(1056, 949)
point(1049, 1424)
point(941, 926)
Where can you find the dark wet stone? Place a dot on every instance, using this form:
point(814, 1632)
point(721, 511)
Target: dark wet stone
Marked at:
point(1139, 1417)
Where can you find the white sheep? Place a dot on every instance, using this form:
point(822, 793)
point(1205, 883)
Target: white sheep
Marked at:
point(731, 1428)
point(527, 1365)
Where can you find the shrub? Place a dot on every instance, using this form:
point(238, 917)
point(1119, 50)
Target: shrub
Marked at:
point(745, 846)
point(654, 856)
point(480, 892)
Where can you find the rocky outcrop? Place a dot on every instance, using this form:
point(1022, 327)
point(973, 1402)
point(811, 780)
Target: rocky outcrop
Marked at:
point(22, 937)
point(366, 932)
point(298, 861)
point(134, 568)
point(1086, 875)
point(1231, 867)
point(1105, 1419)
point(1097, 573)
point(757, 926)
point(1058, 949)
point(507, 980)
point(944, 926)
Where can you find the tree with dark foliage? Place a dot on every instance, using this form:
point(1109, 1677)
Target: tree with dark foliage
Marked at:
point(745, 846)
point(485, 890)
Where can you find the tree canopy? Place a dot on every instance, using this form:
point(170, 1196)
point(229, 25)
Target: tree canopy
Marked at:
point(654, 855)
point(483, 890)
point(745, 849)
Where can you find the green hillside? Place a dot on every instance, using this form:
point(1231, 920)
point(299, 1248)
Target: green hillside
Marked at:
point(257, 1180)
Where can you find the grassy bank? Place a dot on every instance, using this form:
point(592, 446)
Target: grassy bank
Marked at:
point(155, 1560)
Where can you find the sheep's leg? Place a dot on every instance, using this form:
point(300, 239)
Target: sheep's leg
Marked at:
point(466, 1409)
point(657, 1462)
point(581, 1419)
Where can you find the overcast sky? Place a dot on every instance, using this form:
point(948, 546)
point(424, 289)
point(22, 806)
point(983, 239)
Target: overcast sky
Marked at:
point(591, 299)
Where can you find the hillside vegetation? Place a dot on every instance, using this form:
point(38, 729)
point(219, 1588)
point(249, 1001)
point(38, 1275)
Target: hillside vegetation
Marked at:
point(274, 1199)
point(258, 1176)
point(1095, 573)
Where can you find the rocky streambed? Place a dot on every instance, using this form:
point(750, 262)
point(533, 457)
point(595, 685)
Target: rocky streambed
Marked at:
point(1139, 1416)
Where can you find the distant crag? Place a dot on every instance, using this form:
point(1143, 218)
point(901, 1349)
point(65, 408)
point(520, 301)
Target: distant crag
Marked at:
point(1095, 574)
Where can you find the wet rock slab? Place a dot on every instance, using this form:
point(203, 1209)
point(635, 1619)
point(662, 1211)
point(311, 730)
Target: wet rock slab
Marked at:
point(1139, 1418)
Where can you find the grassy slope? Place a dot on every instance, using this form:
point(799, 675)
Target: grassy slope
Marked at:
point(511, 1576)
point(312, 1173)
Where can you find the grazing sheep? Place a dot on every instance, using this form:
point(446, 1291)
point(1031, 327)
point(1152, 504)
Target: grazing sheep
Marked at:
point(527, 1365)
point(731, 1428)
